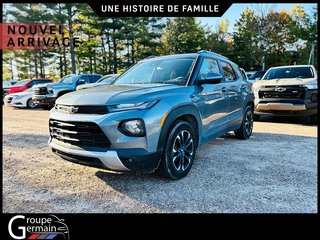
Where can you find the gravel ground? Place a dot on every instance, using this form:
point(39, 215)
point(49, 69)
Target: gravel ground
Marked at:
point(275, 171)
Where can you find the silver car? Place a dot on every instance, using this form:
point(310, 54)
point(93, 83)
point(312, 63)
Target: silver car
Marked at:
point(155, 115)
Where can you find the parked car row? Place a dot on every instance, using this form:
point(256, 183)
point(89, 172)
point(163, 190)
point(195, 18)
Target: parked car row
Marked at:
point(31, 93)
point(10, 87)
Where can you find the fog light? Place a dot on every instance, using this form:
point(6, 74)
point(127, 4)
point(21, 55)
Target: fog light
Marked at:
point(132, 128)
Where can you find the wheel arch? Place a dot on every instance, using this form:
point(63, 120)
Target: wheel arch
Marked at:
point(188, 113)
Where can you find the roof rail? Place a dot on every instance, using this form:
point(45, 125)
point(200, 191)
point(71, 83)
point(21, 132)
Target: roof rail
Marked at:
point(217, 54)
point(151, 56)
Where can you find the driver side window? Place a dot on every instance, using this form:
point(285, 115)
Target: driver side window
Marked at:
point(209, 65)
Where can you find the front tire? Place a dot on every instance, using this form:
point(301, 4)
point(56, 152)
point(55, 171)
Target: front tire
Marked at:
point(245, 131)
point(179, 151)
point(31, 104)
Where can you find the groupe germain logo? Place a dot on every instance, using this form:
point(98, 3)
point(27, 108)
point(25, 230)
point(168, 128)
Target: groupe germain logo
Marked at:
point(51, 227)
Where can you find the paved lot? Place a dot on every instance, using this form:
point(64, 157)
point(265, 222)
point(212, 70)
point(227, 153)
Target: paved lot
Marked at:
point(275, 171)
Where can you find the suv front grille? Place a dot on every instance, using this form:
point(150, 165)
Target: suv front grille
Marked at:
point(82, 109)
point(78, 133)
point(40, 91)
point(282, 92)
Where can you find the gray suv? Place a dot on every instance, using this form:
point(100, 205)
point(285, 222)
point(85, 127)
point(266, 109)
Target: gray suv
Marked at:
point(155, 115)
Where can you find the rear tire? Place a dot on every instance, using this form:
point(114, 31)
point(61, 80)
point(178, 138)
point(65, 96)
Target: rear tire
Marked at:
point(245, 131)
point(31, 104)
point(179, 151)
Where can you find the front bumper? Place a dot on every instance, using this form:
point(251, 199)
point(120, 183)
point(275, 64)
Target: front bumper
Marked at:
point(305, 105)
point(280, 106)
point(123, 153)
point(43, 100)
point(135, 160)
point(109, 159)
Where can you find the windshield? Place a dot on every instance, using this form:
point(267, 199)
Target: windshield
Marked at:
point(28, 90)
point(107, 79)
point(21, 83)
point(289, 72)
point(257, 75)
point(174, 71)
point(68, 79)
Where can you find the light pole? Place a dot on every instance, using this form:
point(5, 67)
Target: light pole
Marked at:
point(311, 55)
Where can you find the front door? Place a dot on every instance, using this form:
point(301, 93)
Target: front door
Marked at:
point(213, 100)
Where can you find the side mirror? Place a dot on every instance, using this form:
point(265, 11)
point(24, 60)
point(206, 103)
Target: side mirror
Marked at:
point(81, 81)
point(211, 78)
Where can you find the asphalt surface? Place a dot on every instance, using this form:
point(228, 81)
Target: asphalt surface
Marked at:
point(275, 171)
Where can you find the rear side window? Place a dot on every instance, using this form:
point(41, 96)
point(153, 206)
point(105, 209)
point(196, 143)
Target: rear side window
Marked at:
point(94, 78)
point(209, 65)
point(228, 72)
point(85, 78)
point(32, 83)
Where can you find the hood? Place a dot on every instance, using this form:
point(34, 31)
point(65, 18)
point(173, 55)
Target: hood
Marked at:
point(285, 82)
point(117, 94)
point(54, 85)
point(22, 94)
point(90, 85)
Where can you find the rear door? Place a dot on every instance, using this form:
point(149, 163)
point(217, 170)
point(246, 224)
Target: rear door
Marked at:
point(235, 86)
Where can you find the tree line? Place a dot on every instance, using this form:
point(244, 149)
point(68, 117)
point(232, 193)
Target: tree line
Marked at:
point(260, 39)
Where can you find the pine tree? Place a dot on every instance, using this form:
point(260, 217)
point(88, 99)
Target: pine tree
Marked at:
point(184, 35)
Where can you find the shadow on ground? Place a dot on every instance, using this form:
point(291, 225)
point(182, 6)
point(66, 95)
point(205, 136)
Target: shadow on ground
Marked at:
point(231, 175)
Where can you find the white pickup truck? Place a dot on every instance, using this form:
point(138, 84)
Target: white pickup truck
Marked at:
point(287, 91)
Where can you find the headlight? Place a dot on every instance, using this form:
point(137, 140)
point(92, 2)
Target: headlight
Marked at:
point(132, 128)
point(131, 106)
point(311, 86)
point(255, 88)
point(50, 89)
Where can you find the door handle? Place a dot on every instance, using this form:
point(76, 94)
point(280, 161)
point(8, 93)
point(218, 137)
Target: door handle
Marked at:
point(224, 89)
point(243, 87)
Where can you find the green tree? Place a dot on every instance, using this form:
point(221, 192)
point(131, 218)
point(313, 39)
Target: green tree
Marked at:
point(305, 28)
point(245, 37)
point(184, 35)
point(220, 40)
